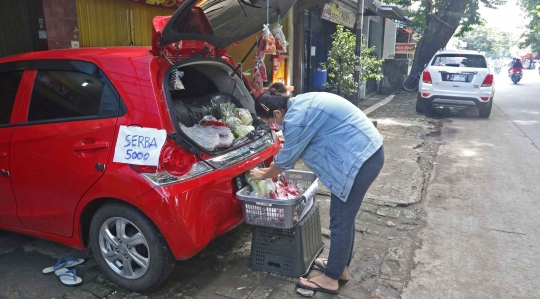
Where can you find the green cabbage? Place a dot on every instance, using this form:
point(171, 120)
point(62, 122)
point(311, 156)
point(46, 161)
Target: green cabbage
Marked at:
point(244, 116)
point(241, 131)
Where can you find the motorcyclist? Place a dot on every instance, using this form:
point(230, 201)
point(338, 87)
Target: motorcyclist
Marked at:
point(511, 64)
point(498, 66)
point(517, 67)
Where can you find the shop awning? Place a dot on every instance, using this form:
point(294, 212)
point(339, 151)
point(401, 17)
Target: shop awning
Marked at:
point(393, 12)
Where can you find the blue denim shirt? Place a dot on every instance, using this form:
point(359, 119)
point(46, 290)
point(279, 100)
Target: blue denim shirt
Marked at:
point(331, 135)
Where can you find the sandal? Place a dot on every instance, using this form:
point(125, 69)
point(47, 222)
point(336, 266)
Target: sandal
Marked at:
point(63, 263)
point(68, 277)
point(317, 289)
point(322, 267)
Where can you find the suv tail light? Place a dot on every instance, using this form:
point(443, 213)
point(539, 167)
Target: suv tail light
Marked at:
point(426, 77)
point(175, 165)
point(488, 81)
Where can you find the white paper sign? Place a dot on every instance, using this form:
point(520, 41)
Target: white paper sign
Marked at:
point(139, 146)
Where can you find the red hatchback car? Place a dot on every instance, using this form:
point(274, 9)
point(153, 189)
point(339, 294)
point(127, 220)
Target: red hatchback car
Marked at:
point(60, 115)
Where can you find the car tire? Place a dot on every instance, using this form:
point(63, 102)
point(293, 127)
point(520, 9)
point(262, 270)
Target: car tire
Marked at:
point(420, 107)
point(127, 253)
point(486, 111)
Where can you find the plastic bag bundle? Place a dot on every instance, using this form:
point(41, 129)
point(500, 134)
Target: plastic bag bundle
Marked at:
point(269, 42)
point(281, 41)
point(234, 122)
point(227, 110)
point(207, 137)
point(175, 83)
point(259, 54)
point(226, 137)
point(257, 83)
point(244, 115)
point(262, 70)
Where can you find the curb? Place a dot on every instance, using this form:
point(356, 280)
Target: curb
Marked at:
point(378, 105)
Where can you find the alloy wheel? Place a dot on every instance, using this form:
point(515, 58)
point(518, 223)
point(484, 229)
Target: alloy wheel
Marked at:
point(124, 248)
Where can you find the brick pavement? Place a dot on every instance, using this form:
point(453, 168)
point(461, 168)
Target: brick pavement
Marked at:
point(386, 237)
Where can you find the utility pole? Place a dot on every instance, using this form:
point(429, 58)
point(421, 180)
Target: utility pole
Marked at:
point(358, 50)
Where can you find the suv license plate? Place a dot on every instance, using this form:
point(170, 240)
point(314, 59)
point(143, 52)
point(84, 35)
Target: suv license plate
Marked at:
point(458, 78)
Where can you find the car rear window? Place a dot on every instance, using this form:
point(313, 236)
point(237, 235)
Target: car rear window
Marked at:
point(460, 60)
point(9, 84)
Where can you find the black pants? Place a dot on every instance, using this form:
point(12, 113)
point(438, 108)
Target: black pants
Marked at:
point(343, 215)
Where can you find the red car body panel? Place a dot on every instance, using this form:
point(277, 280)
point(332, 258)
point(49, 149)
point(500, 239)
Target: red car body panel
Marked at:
point(189, 214)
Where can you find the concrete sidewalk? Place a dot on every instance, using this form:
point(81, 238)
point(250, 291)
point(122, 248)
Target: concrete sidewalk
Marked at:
point(386, 236)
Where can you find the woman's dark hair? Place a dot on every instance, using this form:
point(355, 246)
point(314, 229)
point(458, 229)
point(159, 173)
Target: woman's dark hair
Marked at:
point(279, 87)
point(269, 101)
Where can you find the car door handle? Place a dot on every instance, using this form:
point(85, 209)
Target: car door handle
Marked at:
point(91, 146)
point(3, 155)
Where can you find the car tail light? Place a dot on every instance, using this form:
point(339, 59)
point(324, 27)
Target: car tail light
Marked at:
point(175, 165)
point(175, 160)
point(426, 77)
point(425, 94)
point(488, 81)
point(485, 99)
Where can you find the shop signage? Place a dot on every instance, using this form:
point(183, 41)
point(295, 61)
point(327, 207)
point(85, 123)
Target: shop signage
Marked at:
point(335, 14)
point(405, 48)
point(165, 3)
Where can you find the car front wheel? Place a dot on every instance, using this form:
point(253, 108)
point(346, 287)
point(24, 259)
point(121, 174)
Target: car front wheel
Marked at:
point(129, 248)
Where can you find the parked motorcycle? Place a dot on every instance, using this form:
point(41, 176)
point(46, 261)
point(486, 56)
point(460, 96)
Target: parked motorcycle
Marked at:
point(516, 76)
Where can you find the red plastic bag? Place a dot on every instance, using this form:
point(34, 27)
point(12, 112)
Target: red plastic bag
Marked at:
point(269, 42)
point(281, 41)
point(259, 55)
point(262, 69)
point(257, 83)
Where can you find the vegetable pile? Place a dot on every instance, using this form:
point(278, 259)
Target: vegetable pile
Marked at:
point(274, 188)
point(212, 133)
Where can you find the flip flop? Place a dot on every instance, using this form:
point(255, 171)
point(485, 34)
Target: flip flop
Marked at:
point(318, 289)
point(322, 267)
point(68, 277)
point(63, 263)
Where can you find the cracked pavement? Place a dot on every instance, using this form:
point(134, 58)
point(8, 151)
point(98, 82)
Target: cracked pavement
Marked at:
point(387, 236)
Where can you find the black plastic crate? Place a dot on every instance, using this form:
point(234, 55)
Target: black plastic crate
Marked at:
point(288, 252)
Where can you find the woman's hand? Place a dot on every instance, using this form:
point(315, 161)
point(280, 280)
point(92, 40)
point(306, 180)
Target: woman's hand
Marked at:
point(259, 173)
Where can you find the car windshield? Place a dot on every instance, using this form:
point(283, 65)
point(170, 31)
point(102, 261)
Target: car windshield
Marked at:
point(460, 60)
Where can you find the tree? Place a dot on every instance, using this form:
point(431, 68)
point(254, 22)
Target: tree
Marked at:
point(436, 21)
point(487, 39)
point(531, 37)
point(341, 61)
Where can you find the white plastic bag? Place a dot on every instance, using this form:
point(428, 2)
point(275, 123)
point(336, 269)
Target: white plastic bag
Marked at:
point(281, 41)
point(175, 83)
point(226, 137)
point(206, 137)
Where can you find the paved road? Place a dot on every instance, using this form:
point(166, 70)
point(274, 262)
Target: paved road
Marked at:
point(521, 103)
point(481, 239)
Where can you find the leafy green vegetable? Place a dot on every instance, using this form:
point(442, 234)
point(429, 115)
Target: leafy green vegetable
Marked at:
point(244, 116)
point(241, 131)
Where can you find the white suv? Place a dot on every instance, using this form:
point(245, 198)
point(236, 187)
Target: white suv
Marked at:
point(456, 78)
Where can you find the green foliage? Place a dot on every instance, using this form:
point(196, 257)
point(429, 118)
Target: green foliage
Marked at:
point(341, 61)
point(531, 37)
point(420, 10)
point(486, 39)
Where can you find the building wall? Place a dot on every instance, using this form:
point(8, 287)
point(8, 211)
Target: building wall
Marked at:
point(104, 23)
point(19, 27)
point(61, 20)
